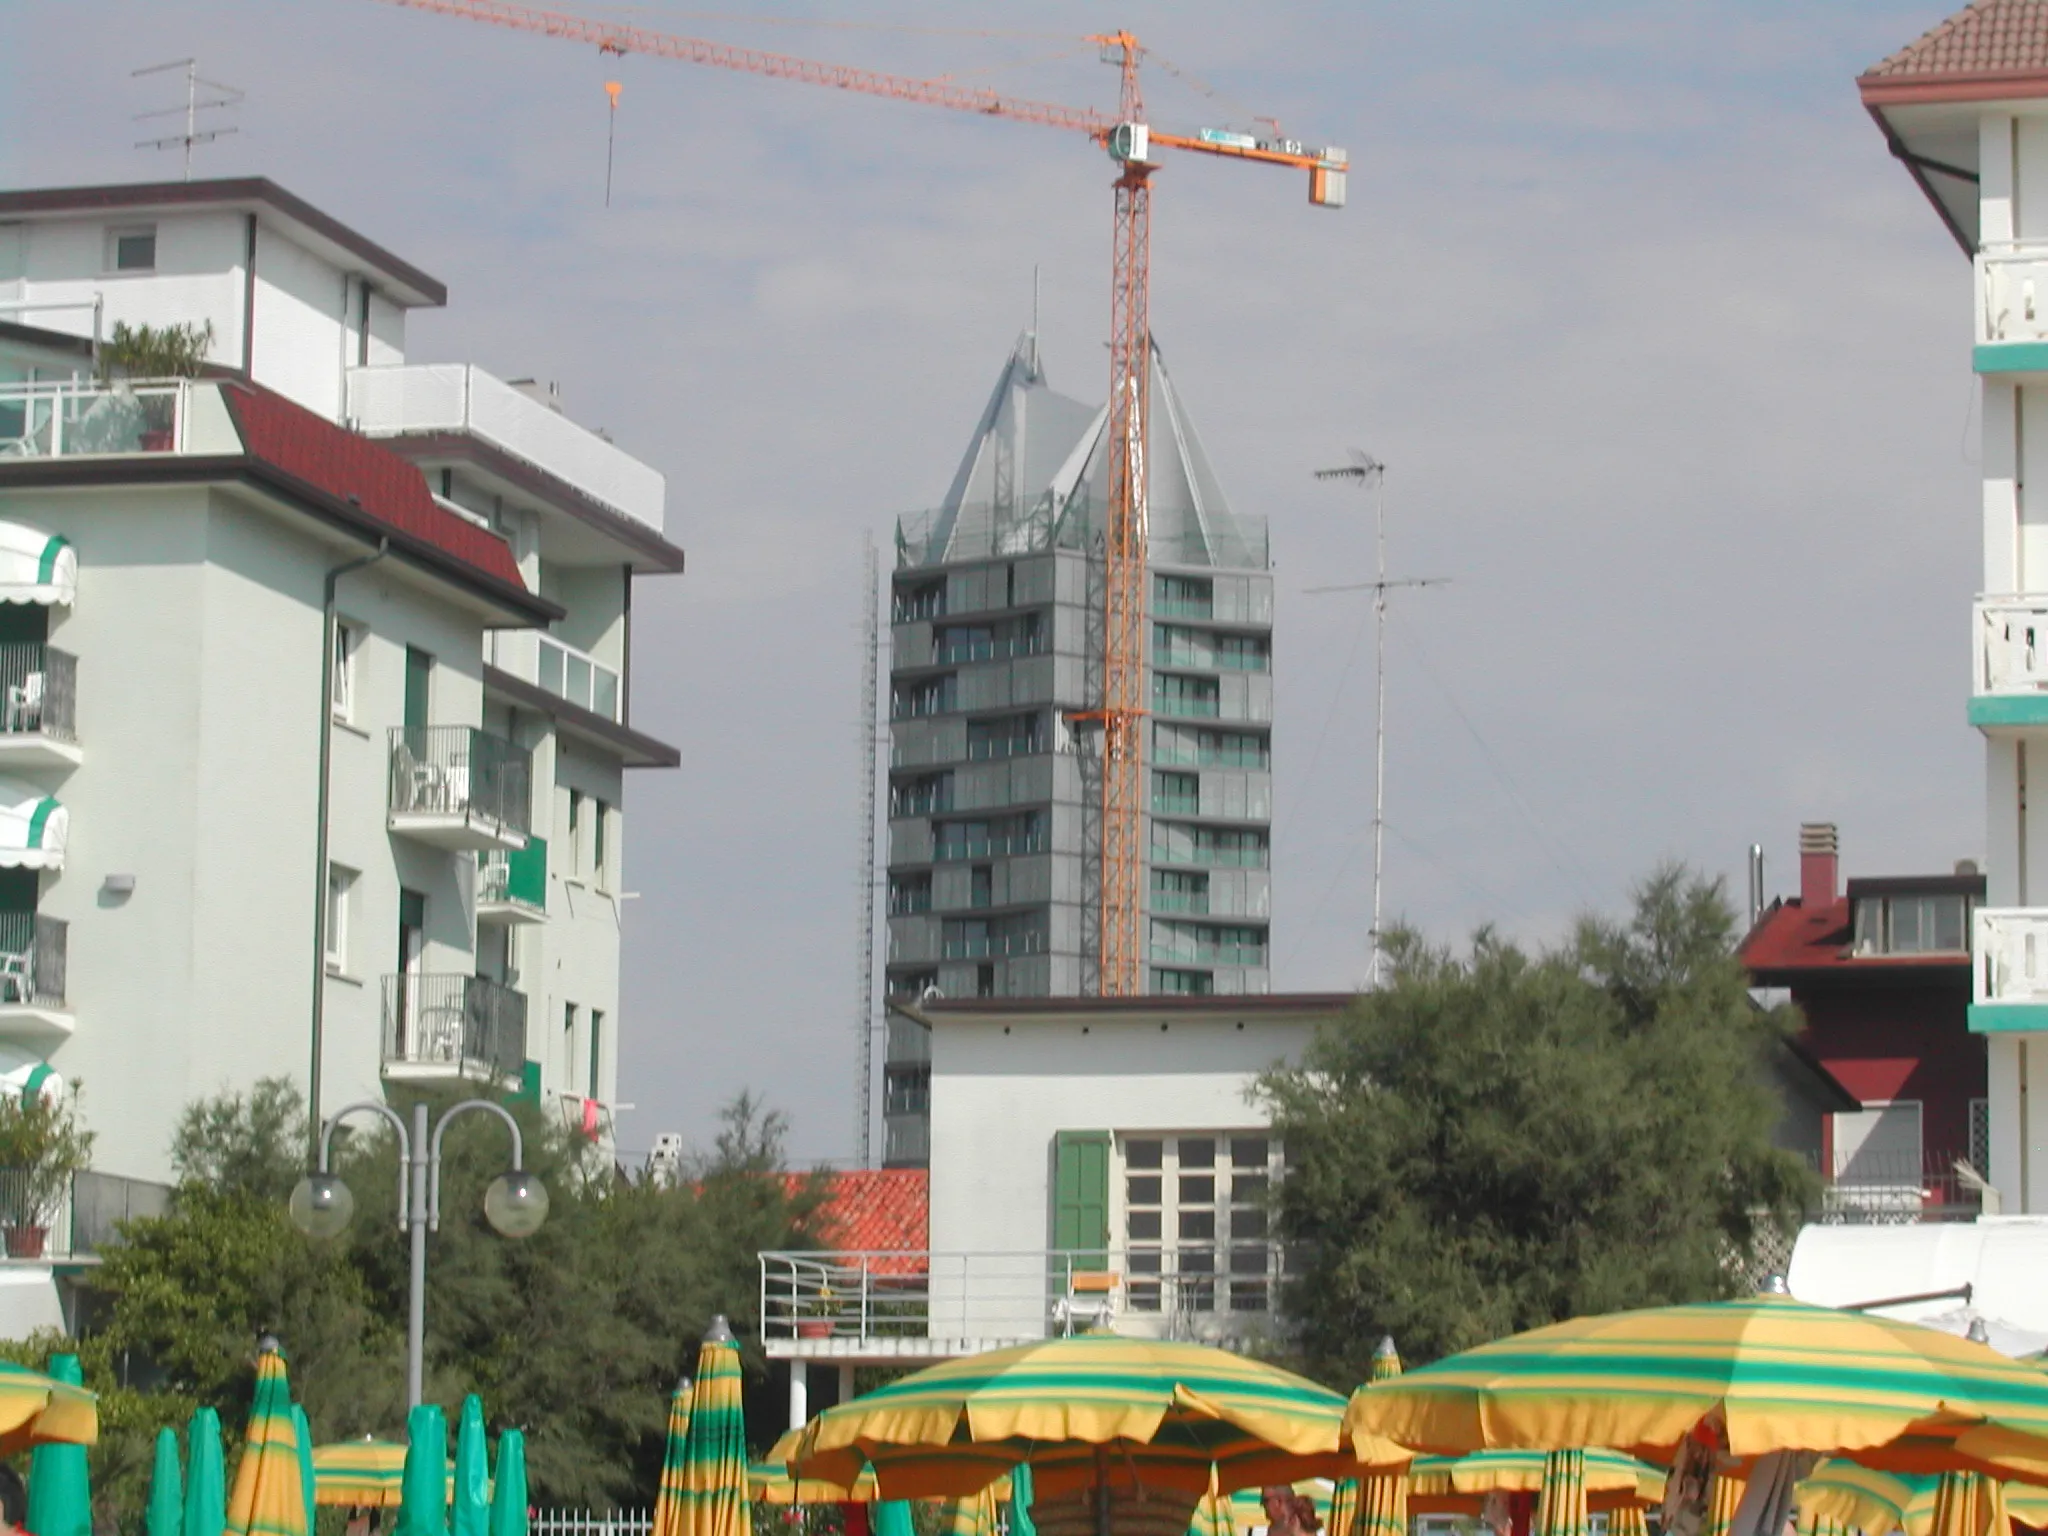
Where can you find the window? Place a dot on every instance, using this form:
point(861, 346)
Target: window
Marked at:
point(1006, 736)
point(132, 249)
point(1195, 1226)
point(1187, 597)
point(1202, 944)
point(1936, 923)
point(1188, 746)
point(1176, 794)
point(921, 794)
point(909, 894)
point(341, 882)
point(575, 838)
point(920, 697)
point(348, 639)
point(1233, 847)
point(1170, 982)
point(600, 814)
point(1877, 1162)
point(1243, 653)
point(923, 600)
point(1175, 694)
point(569, 1047)
point(419, 688)
point(913, 984)
point(596, 1052)
point(1179, 891)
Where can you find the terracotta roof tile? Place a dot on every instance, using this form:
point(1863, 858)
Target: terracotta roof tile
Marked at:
point(1789, 937)
point(1988, 37)
point(876, 1210)
point(389, 489)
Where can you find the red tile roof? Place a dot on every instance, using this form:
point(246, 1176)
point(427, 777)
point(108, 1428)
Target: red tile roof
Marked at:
point(1789, 937)
point(1989, 37)
point(875, 1210)
point(388, 489)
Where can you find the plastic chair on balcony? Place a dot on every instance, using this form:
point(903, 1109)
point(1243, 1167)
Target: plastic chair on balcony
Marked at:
point(17, 976)
point(1090, 1301)
point(437, 1033)
point(24, 711)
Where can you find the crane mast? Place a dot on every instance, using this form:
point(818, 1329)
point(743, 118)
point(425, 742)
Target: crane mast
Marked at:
point(1120, 711)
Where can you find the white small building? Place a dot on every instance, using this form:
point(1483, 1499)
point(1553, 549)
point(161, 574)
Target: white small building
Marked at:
point(1093, 1161)
point(315, 556)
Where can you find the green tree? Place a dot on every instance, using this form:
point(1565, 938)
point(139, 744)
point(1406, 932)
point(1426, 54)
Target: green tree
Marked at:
point(155, 351)
point(1498, 1140)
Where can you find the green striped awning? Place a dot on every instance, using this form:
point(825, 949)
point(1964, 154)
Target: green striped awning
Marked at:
point(36, 567)
point(32, 827)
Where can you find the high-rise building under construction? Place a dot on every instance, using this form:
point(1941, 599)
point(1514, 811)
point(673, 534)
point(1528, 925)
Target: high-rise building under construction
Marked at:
point(994, 875)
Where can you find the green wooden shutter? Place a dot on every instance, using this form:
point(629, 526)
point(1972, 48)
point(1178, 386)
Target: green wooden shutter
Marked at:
point(1080, 1194)
point(419, 673)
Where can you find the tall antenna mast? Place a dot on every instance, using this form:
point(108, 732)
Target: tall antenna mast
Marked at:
point(1365, 469)
point(870, 740)
point(193, 134)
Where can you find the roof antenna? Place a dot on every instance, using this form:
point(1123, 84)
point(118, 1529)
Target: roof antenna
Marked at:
point(1034, 320)
point(611, 89)
point(193, 133)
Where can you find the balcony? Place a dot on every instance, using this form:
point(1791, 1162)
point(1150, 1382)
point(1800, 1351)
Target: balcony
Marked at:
point(2009, 964)
point(460, 1027)
point(512, 885)
point(38, 707)
point(458, 787)
point(2009, 685)
point(2012, 310)
point(74, 419)
point(1899, 1187)
point(33, 951)
point(888, 1304)
point(419, 399)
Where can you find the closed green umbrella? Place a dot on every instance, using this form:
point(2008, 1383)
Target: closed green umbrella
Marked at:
point(471, 1496)
point(423, 1507)
point(306, 1478)
point(508, 1493)
point(166, 1513)
point(59, 1491)
point(1020, 1501)
point(206, 1482)
point(892, 1518)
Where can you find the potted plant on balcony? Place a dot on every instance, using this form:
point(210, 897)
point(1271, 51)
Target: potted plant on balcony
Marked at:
point(42, 1146)
point(816, 1315)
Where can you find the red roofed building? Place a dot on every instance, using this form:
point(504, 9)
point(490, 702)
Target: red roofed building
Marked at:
point(315, 663)
point(1880, 968)
point(874, 1214)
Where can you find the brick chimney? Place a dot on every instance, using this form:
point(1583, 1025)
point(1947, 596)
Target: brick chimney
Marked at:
point(1819, 864)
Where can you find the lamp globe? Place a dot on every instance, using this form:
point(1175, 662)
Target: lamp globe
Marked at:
point(516, 1204)
point(322, 1206)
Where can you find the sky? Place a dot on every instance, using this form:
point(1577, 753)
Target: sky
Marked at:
point(1667, 359)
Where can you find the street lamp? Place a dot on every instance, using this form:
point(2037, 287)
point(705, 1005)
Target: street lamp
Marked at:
point(515, 1204)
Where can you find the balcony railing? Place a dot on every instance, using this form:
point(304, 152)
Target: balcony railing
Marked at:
point(866, 1296)
point(1898, 1187)
point(38, 691)
point(1186, 706)
point(992, 946)
point(1212, 857)
point(991, 650)
point(1177, 805)
point(2009, 955)
point(989, 847)
point(2012, 287)
point(35, 1215)
point(579, 677)
point(33, 951)
point(517, 877)
point(72, 419)
point(1208, 954)
point(455, 397)
point(460, 772)
point(2012, 646)
point(460, 1026)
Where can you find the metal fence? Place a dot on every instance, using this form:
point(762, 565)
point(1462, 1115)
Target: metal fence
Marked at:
point(38, 690)
point(33, 954)
point(458, 770)
point(590, 1522)
point(100, 1202)
point(474, 1026)
point(1898, 1186)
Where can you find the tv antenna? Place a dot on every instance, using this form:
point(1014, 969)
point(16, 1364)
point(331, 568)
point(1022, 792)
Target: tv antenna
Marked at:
point(1366, 470)
point(194, 105)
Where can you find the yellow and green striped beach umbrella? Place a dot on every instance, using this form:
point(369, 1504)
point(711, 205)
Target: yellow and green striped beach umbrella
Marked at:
point(1380, 1502)
point(1157, 1414)
point(1561, 1506)
point(712, 1497)
point(769, 1480)
point(269, 1497)
point(36, 1409)
point(1876, 1503)
point(1627, 1520)
point(1458, 1485)
point(365, 1473)
point(668, 1509)
point(972, 1514)
point(1782, 1374)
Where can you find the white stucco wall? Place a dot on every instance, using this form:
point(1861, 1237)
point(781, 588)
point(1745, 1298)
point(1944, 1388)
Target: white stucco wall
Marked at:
point(1002, 1090)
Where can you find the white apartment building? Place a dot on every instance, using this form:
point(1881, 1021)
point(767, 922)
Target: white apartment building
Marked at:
point(1965, 110)
point(318, 550)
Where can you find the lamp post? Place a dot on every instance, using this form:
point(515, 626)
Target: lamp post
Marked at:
point(515, 1204)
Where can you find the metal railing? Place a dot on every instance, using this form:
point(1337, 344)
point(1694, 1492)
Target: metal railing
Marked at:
point(877, 1294)
point(993, 945)
point(458, 770)
point(1183, 757)
point(458, 397)
point(1897, 1186)
point(589, 1522)
point(1177, 805)
point(2009, 955)
point(82, 418)
point(1180, 706)
point(38, 690)
point(1208, 954)
point(33, 952)
point(516, 877)
point(988, 749)
point(1225, 857)
point(991, 650)
point(472, 1025)
point(988, 847)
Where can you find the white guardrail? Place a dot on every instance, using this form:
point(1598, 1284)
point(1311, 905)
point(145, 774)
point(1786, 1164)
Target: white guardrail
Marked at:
point(2009, 954)
point(459, 397)
point(2012, 645)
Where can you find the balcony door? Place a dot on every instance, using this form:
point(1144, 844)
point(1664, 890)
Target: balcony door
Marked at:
point(419, 685)
point(412, 946)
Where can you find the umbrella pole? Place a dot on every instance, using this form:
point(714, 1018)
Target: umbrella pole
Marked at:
point(1101, 1491)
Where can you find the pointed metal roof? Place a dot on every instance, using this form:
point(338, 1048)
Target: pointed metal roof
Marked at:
point(1036, 475)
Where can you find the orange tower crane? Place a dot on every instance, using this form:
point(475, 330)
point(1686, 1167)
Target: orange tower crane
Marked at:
point(1120, 711)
